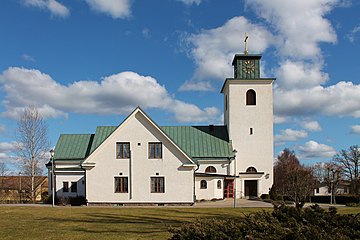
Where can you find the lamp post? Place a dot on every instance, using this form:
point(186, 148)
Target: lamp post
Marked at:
point(20, 186)
point(52, 177)
point(234, 152)
point(332, 186)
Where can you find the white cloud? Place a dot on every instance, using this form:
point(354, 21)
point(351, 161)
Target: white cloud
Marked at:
point(27, 58)
point(185, 112)
point(352, 35)
point(300, 24)
point(300, 75)
point(2, 128)
point(313, 126)
point(281, 119)
point(146, 33)
point(114, 8)
point(115, 94)
point(190, 2)
point(213, 50)
point(6, 150)
point(196, 86)
point(341, 99)
point(312, 149)
point(290, 135)
point(355, 129)
point(7, 147)
point(56, 8)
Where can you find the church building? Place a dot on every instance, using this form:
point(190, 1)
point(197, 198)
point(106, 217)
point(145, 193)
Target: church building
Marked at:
point(139, 162)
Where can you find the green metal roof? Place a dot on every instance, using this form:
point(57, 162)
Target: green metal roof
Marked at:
point(73, 146)
point(201, 141)
point(206, 142)
point(102, 132)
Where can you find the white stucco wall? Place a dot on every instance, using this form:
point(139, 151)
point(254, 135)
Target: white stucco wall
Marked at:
point(254, 150)
point(67, 177)
point(179, 180)
point(211, 192)
point(324, 191)
point(221, 166)
point(62, 175)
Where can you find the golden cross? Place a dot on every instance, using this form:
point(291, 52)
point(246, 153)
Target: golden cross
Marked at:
point(246, 43)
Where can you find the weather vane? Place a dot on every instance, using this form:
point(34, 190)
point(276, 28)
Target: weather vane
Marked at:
point(246, 43)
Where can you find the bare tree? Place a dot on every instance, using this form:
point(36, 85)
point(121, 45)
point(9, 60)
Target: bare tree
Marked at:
point(319, 172)
point(286, 161)
point(299, 185)
point(3, 171)
point(349, 162)
point(329, 174)
point(292, 179)
point(32, 144)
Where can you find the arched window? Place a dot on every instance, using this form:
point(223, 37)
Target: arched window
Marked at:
point(210, 169)
point(251, 170)
point(250, 97)
point(219, 184)
point(203, 184)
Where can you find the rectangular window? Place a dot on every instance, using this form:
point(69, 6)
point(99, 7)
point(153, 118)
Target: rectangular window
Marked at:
point(65, 187)
point(121, 184)
point(251, 131)
point(157, 184)
point(73, 186)
point(122, 150)
point(155, 150)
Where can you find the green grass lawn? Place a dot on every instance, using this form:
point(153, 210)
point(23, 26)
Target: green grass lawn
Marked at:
point(105, 222)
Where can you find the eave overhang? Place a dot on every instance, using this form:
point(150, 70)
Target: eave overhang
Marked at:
point(246, 81)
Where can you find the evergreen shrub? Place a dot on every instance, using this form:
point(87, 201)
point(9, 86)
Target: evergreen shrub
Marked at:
point(284, 222)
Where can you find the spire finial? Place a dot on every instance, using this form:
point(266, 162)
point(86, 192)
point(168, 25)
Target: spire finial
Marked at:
point(246, 43)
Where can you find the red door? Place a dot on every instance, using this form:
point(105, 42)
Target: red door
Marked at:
point(228, 188)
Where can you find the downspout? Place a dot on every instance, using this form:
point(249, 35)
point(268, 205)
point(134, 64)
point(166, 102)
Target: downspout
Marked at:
point(130, 178)
point(194, 196)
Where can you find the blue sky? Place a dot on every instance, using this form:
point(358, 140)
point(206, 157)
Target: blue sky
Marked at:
point(86, 63)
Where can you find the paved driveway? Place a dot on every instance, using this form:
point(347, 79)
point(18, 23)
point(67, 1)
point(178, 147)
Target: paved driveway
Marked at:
point(229, 202)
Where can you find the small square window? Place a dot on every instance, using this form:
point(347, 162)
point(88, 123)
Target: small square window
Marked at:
point(121, 184)
point(157, 184)
point(122, 150)
point(155, 150)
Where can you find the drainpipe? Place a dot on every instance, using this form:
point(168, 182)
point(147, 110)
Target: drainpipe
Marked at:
point(130, 177)
point(194, 196)
point(234, 158)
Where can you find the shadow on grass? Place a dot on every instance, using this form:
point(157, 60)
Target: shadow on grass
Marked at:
point(137, 222)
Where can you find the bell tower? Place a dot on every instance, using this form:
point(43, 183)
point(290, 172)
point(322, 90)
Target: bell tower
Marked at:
point(248, 115)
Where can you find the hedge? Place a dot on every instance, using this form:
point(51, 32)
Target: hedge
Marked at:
point(285, 222)
point(340, 199)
